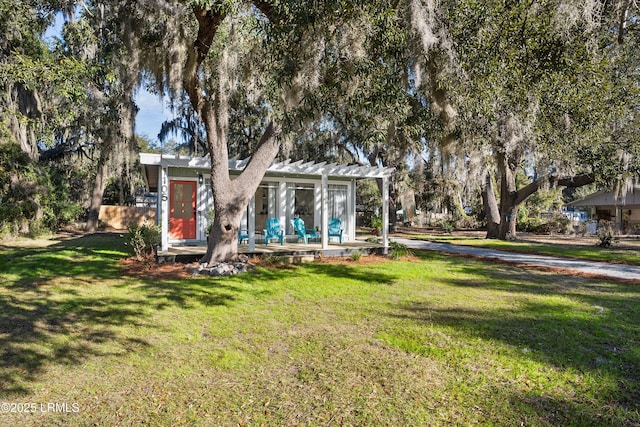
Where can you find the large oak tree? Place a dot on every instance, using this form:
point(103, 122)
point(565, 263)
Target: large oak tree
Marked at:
point(535, 86)
point(278, 53)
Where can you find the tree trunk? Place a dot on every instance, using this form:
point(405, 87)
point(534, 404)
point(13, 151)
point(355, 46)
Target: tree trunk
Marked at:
point(393, 203)
point(26, 109)
point(122, 141)
point(492, 211)
point(508, 197)
point(501, 223)
point(231, 197)
point(507, 229)
point(222, 242)
point(393, 195)
point(98, 191)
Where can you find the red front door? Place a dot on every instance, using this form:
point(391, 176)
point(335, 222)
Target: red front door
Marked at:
point(182, 209)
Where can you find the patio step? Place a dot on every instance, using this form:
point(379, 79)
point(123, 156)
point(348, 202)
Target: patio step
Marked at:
point(297, 259)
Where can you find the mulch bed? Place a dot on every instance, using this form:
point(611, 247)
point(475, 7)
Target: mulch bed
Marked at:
point(149, 269)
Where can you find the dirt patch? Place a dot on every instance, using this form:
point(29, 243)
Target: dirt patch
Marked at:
point(131, 267)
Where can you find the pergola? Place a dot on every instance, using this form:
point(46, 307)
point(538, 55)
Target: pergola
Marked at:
point(159, 169)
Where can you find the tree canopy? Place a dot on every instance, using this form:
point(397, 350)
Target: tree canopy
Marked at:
point(471, 93)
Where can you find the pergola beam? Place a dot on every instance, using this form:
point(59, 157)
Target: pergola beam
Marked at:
point(299, 167)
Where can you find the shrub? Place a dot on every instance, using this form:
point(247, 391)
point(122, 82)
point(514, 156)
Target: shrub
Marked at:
point(398, 250)
point(142, 239)
point(356, 255)
point(556, 223)
point(376, 224)
point(467, 222)
point(448, 227)
point(559, 224)
point(35, 198)
point(605, 233)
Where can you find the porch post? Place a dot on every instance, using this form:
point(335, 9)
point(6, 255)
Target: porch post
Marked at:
point(283, 207)
point(251, 226)
point(159, 197)
point(351, 216)
point(164, 208)
point(618, 224)
point(385, 213)
point(325, 211)
point(317, 205)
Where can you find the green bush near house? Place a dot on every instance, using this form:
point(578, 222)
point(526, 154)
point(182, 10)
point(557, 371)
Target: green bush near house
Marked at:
point(142, 239)
point(398, 250)
point(552, 224)
point(606, 234)
point(447, 227)
point(376, 224)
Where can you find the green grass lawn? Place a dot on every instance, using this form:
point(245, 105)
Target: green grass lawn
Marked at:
point(590, 252)
point(433, 340)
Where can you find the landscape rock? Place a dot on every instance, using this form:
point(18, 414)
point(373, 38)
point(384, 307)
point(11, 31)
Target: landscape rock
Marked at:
point(219, 269)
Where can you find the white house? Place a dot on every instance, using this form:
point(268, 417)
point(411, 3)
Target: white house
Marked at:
point(315, 192)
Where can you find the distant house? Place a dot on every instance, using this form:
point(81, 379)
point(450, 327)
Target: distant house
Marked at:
point(623, 211)
point(314, 192)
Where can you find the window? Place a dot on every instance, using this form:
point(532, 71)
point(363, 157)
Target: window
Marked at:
point(300, 204)
point(265, 204)
point(338, 203)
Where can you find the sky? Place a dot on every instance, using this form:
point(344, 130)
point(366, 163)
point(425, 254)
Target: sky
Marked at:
point(151, 115)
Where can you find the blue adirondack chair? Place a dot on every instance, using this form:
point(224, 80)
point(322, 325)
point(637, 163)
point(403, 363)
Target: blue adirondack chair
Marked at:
point(273, 231)
point(335, 228)
point(243, 235)
point(304, 233)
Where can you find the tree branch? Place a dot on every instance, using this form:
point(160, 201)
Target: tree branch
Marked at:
point(565, 181)
point(622, 23)
point(576, 180)
point(266, 8)
point(208, 24)
point(263, 155)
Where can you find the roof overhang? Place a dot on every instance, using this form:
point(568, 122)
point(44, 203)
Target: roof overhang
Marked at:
point(608, 199)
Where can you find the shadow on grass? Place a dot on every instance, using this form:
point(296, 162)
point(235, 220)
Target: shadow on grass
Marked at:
point(40, 325)
point(209, 291)
point(36, 331)
point(92, 255)
point(188, 293)
point(56, 309)
point(568, 323)
point(57, 305)
point(347, 272)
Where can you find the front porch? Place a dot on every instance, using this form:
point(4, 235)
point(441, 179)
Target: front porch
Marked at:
point(191, 253)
